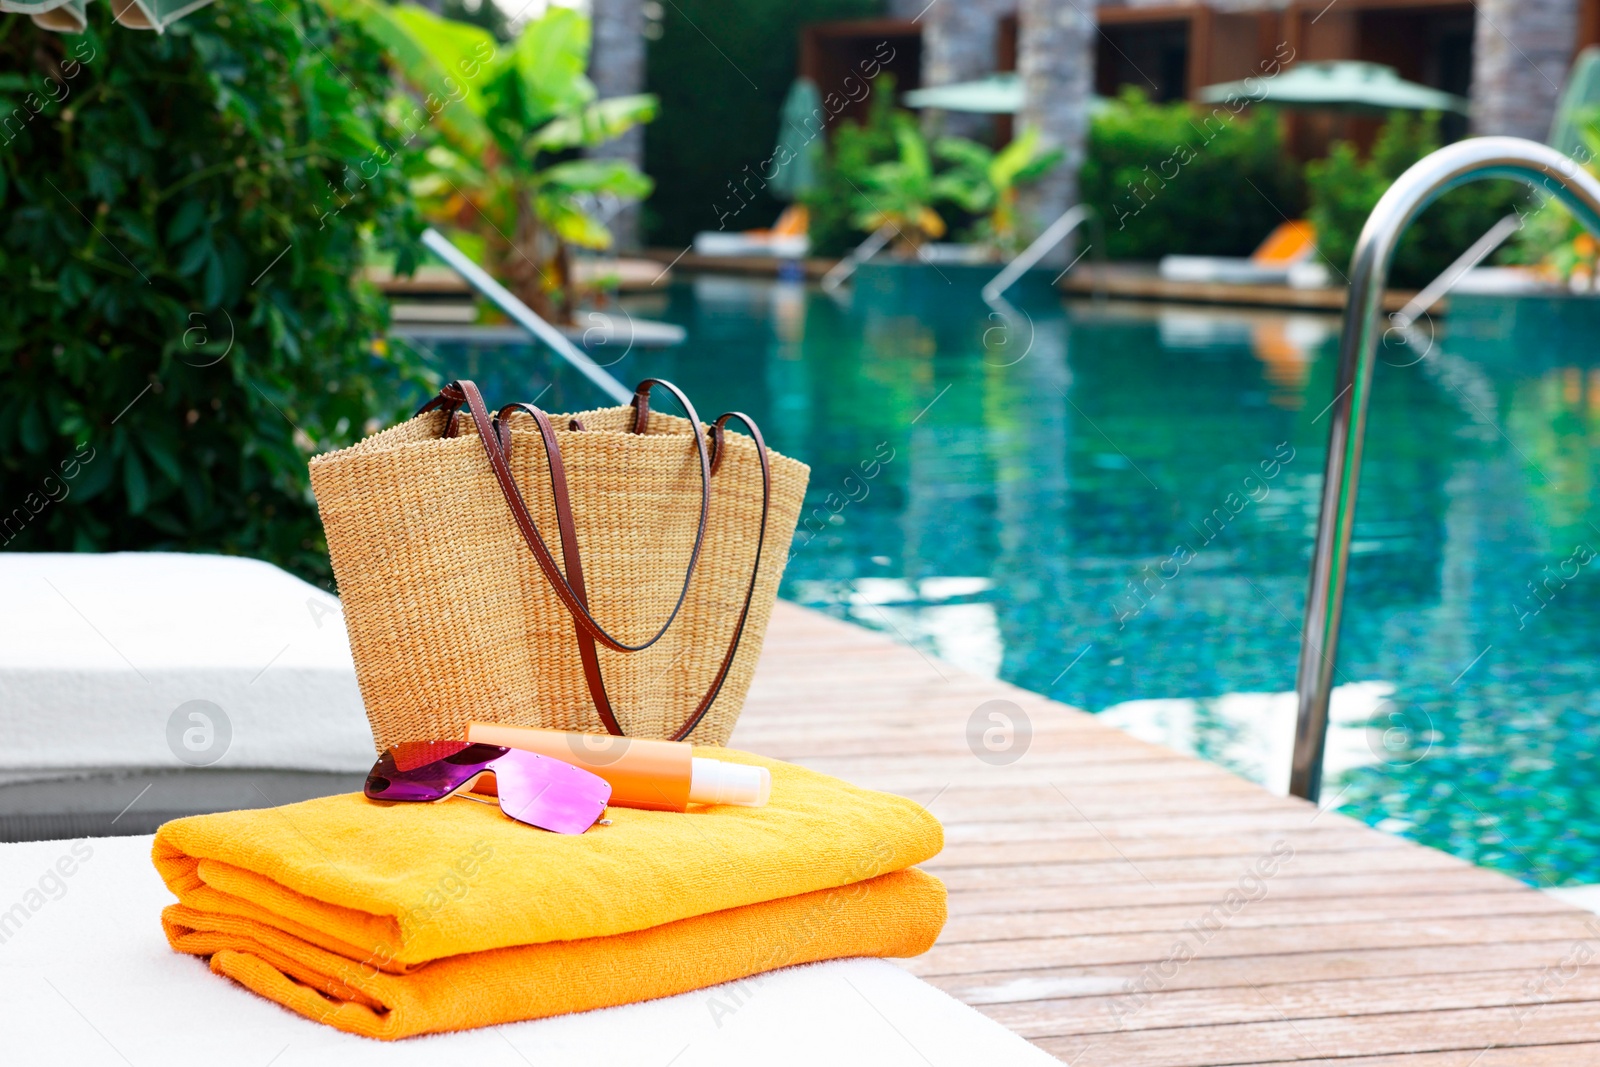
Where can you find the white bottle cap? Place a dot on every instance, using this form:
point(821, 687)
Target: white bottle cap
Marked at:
point(711, 781)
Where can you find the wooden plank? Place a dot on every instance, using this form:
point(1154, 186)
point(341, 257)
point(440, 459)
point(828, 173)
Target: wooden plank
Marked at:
point(1363, 890)
point(1524, 1056)
point(1222, 870)
point(1076, 873)
point(759, 266)
point(969, 925)
point(1133, 283)
point(1155, 947)
point(1345, 998)
point(1322, 1040)
point(1238, 973)
point(1179, 822)
point(1134, 851)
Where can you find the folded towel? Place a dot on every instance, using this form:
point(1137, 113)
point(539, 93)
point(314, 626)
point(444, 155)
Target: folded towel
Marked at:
point(896, 914)
point(402, 884)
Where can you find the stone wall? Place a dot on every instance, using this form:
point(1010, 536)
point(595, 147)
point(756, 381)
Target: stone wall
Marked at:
point(1056, 62)
point(616, 66)
point(960, 42)
point(1521, 51)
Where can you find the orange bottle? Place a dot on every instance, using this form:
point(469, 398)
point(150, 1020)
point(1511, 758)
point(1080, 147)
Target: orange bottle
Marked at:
point(656, 775)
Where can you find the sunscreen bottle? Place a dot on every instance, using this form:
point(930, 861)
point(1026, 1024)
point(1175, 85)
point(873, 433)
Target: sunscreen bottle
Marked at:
point(657, 775)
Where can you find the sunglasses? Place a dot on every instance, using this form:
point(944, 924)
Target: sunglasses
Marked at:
point(533, 789)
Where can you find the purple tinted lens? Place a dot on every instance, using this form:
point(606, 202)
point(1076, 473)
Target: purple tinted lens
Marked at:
point(427, 770)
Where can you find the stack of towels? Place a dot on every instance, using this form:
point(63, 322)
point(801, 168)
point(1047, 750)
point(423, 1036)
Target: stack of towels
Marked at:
point(389, 920)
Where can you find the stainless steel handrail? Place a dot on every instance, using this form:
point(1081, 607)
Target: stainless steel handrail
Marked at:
point(841, 271)
point(1054, 234)
point(1435, 291)
point(1480, 157)
point(522, 314)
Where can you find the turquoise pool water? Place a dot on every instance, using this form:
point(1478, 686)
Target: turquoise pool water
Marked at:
point(1113, 504)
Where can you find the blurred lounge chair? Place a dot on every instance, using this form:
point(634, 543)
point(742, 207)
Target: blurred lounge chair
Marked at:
point(1286, 257)
point(786, 239)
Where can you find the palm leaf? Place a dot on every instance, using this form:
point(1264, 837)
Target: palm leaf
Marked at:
point(1011, 159)
point(597, 122)
point(614, 176)
point(445, 61)
point(573, 225)
point(550, 57)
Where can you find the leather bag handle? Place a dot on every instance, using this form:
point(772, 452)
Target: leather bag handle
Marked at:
point(573, 582)
point(460, 392)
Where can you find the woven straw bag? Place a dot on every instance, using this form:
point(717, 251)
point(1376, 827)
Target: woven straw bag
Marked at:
point(611, 570)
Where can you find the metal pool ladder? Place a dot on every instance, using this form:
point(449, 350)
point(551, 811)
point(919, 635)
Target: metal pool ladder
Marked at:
point(1547, 170)
point(1058, 231)
point(523, 315)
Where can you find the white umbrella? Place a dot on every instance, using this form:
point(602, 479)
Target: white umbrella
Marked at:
point(998, 94)
point(68, 16)
point(1344, 85)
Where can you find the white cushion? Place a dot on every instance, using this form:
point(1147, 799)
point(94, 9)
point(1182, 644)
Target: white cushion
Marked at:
point(86, 977)
point(98, 651)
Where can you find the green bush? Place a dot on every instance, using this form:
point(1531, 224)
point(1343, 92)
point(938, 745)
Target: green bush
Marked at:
point(184, 215)
point(1178, 178)
point(721, 69)
point(1344, 189)
point(854, 149)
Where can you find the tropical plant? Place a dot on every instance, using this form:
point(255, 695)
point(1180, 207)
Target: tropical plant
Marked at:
point(1344, 188)
point(901, 192)
point(512, 119)
point(856, 147)
point(182, 216)
point(1551, 237)
point(986, 183)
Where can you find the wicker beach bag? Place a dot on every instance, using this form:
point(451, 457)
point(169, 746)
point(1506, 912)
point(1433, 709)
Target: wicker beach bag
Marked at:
point(610, 571)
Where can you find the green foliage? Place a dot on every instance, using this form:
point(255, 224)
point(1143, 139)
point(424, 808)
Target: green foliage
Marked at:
point(986, 182)
point(901, 192)
point(856, 148)
point(722, 69)
point(883, 171)
point(511, 118)
point(181, 218)
point(485, 13)
point(1344, 189)
point(1179, 178)
point(1551, 236)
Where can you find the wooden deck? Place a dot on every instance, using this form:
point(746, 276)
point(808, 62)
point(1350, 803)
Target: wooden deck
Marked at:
point(1122, 281)
point(1122, 905)
point(1141, 281)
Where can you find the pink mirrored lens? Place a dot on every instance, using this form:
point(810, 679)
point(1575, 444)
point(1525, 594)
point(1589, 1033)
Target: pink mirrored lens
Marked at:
point(548, 793)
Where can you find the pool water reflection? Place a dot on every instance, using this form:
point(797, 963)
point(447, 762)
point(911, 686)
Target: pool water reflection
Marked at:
point(1114, 505)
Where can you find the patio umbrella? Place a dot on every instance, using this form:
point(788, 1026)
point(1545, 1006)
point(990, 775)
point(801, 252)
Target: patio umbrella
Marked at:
point(799, 147)
point(998, 94)
point(1344, 85)
point(68, 16)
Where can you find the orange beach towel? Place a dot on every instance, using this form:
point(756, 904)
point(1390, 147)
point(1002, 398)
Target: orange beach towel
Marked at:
point(364, 915)
point(897, 914)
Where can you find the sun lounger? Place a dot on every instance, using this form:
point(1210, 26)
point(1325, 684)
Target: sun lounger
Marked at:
point(786, 239)
point(219, 682)
point(87, 977)
point(1286, 257)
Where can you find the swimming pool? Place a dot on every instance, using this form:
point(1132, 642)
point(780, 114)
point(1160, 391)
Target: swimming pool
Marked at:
point(1113, 505)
